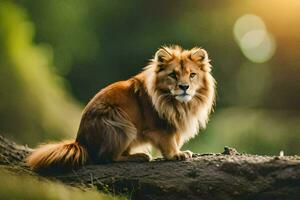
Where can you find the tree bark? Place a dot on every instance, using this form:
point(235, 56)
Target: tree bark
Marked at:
point(229, 175)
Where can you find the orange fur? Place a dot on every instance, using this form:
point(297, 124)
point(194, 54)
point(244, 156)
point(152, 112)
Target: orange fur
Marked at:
point(61, 156)
point(163, 106)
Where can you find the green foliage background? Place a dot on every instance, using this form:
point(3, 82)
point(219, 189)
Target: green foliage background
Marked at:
point(55, 55)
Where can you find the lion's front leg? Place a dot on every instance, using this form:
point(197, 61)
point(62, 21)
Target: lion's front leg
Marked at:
point(168, 146)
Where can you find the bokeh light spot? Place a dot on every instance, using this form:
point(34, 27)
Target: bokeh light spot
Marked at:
point(256, 43)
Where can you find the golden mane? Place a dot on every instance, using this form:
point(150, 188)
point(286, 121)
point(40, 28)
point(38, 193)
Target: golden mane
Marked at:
point(188, 117)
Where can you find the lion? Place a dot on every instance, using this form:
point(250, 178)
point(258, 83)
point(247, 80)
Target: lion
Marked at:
point(163, 107)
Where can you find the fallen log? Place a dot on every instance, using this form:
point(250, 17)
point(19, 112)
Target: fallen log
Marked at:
point(229, 175)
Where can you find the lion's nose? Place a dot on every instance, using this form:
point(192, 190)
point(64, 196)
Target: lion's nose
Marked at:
point(184, 87)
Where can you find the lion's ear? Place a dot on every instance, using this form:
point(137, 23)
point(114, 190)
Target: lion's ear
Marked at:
point(198, 54)
point(163, 55)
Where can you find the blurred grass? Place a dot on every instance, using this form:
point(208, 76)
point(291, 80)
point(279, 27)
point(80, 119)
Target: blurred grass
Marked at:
point(24, 187)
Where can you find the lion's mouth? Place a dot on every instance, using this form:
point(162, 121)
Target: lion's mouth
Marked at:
point(184, 97)
point(183, 94)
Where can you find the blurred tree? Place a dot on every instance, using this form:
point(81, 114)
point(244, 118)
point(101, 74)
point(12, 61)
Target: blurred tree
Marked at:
point(34, 105)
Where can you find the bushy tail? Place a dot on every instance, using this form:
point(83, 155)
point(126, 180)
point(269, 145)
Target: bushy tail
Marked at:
point(60, 156)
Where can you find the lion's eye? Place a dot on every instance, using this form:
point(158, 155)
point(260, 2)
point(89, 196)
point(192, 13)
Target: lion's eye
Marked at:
point(172, 75)
point(192, 75)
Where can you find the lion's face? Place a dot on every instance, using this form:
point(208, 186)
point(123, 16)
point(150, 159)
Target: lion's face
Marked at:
point(180, 86)
point(181, 73)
